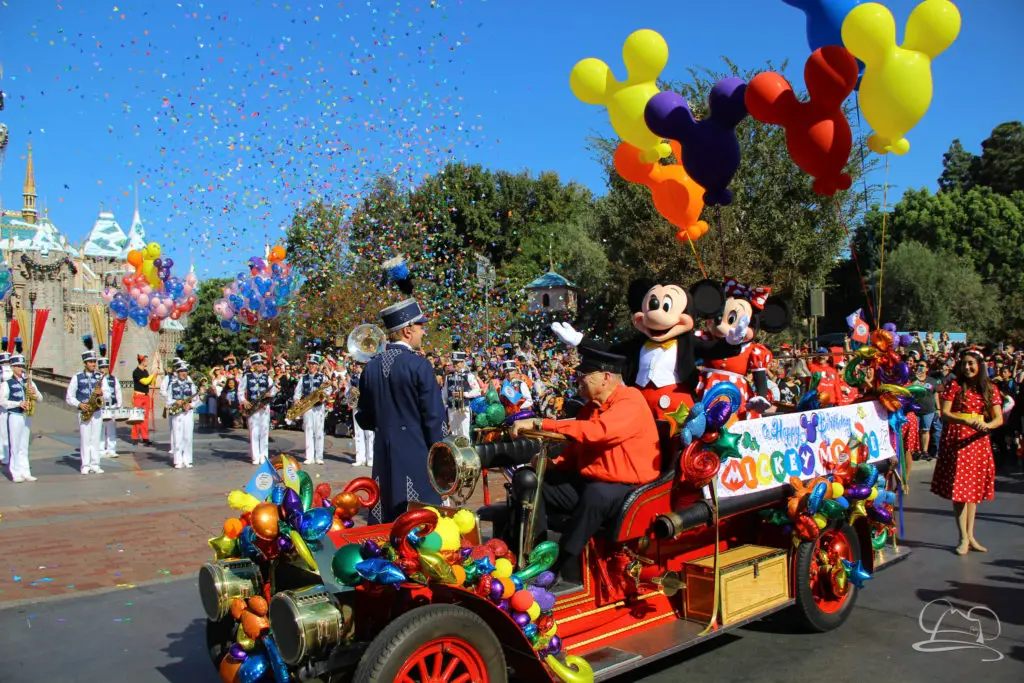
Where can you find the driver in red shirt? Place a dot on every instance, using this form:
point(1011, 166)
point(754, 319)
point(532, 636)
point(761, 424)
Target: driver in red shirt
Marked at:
point(613, 448)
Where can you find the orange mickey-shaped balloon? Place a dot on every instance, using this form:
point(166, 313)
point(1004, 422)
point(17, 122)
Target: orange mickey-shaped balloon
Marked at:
point(677, 197)
point(135, 259)
point(277, 254)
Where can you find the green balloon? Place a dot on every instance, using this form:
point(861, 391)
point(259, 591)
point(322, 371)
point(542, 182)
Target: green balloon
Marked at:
point(305, 490)
point(832, 509)
point(541, 559)
point(482, 421)
point(493, 397)
point(495, 415)
point(878, 539)
point(431, 542)
point(343, 566)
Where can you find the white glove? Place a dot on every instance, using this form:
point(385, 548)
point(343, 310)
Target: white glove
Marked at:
point(736, 335)
point(567, 334)
point(758, 404)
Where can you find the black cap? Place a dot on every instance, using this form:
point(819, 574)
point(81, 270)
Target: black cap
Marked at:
point(597, 358)
point(402, 314)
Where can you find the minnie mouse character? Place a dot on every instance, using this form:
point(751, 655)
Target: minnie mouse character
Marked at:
point(661, 358)
point(746, 310)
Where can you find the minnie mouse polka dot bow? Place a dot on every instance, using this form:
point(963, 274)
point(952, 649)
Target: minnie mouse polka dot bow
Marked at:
point(755, 295)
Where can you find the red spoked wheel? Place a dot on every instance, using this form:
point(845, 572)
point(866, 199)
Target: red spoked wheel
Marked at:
point(434, 644)
point(445, 660)
point(824, 596)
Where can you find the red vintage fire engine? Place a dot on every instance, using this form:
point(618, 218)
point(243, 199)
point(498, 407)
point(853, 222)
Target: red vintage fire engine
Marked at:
point(680, 563)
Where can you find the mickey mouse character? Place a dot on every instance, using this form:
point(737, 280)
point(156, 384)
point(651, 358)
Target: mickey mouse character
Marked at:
point(661, 358)
point(746, 310)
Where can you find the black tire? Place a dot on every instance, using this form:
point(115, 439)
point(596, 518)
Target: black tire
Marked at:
point(219, 637)
point(393, 646)
point(807, 610)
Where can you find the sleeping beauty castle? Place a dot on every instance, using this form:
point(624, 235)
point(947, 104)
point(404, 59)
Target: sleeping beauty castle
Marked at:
point(53, 275)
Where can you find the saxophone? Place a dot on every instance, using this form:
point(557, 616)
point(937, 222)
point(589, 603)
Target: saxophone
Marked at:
point(185, 404)
point(94, 403)
point(255, 406)
point(30, 398)
point(305, 403)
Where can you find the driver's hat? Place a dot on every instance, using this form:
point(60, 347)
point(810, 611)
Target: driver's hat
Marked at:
point(596, 357)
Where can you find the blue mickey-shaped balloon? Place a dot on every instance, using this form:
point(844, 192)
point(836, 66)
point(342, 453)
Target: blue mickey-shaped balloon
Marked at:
point(270, 310)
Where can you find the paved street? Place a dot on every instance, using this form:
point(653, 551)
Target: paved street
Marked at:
point(120, 552)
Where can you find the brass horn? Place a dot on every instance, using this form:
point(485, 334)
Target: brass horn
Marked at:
point(365, 342)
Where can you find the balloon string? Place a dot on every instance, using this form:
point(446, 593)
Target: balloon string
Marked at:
point(856, 260)
point(863, 159)
point(885, 216)
point(718, 228)
point(713, 622)
point(700, 263)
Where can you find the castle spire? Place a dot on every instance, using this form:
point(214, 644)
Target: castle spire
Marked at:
point(136, 219)
point(28, 209)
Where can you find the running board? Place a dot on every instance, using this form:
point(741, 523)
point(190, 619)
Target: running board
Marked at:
point(888, 557)
point(661, 641)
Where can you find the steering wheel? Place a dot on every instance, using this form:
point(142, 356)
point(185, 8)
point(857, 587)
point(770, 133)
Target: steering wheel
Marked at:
point(542, 434)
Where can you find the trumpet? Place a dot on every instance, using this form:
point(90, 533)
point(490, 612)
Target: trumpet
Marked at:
point(305, 403)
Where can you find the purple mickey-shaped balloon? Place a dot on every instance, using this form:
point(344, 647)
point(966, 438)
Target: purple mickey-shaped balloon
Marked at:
point(168, 263)
point(158, 263)
point(711, 152)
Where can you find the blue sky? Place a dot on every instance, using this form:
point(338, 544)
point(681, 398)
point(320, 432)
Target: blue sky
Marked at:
point(229, 114)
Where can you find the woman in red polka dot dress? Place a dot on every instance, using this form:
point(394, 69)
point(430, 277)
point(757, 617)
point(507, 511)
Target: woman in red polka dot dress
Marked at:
point(965, 471)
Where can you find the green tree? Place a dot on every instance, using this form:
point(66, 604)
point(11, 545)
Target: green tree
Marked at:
point(958, 169)
point(1001, 165)
point(206, 342)
point(925, 289)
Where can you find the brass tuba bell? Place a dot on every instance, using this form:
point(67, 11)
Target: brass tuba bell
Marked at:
point(365, 342)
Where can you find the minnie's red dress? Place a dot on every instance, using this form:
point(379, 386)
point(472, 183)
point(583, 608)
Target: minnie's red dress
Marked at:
point(751, 358)
point(965, 471)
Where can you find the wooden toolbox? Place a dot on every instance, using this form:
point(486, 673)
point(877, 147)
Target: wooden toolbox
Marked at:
point(753, 579)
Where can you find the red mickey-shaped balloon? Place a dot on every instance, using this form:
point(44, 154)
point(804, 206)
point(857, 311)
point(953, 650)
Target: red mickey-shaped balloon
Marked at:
point(817, 133)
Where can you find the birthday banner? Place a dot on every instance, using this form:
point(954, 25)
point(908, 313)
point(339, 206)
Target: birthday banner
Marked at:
point(804, 445)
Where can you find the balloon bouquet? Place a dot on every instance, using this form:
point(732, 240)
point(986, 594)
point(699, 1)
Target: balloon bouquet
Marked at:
point(152, 294)
point(257, 295)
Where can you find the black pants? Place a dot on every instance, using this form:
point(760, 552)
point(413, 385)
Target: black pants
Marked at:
point(590, 504)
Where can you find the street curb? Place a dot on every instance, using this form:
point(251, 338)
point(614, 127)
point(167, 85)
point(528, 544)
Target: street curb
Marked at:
point(27, 602)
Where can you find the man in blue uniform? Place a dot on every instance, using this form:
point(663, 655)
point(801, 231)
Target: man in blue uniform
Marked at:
point(400, 399)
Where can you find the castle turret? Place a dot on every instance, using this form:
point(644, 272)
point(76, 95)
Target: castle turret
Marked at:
point(28, 209)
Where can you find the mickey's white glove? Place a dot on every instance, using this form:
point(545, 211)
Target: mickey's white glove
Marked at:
point(737, 334)
point(567, 334)
point(758, 404)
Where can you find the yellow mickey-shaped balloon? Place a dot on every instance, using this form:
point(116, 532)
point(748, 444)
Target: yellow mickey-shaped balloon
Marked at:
point(152, 251)
point(645, 54)
point(896, 89)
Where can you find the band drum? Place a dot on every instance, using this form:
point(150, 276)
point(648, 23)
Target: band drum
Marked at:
point(109, 414)
point(134, 416)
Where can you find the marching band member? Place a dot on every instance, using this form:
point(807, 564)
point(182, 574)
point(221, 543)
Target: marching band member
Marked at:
point(5, 374)
point(13, 394)
point(254, 387)
point(460, 387)
point(362, 438)
point(313, 419)
point(511, 372)
point(111, 399)
point(179, 388)
point(80, 392)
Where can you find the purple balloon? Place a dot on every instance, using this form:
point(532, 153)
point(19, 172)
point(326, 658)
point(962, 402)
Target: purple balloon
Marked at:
point(285, 543)
point(496, 590)
point(504, 605)
point(291, 506)
point(857, 492)
point(369, 550)
point(237, 653)
point(544, 579)
point(890, 327)
point(718, 414)
point(168, 263)
point(906, 340)
point(465, 553)
point(898, 374)
point(521, 415)
point(348, 523)
point(880, 515)
point(711, 152)
point(158, 263)
point(555, 645)
point(521, 619)
point(545, 599)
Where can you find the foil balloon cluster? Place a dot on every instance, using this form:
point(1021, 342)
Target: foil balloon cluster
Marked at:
point(291, 522)
point(152, 293)
point(254, 655)
point(258, 294)
point(496, 408)
point(878, 368)
point(850, 492)
point(426, 547)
